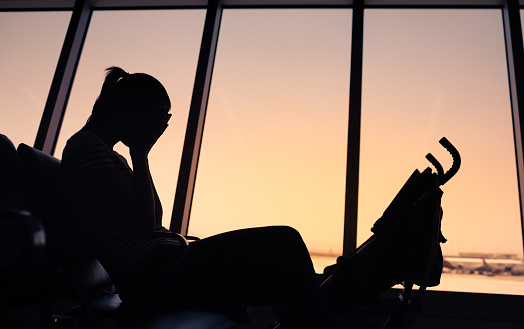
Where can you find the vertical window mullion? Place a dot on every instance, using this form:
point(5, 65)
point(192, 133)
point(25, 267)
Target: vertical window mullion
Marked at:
point(195, 124)
point(355, 103)
point(56, 103)
point(515, 62)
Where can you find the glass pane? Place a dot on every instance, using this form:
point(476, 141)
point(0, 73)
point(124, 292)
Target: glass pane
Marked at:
point(31, 44)
point(164, 44)
point(434, 73)
point(274, 147)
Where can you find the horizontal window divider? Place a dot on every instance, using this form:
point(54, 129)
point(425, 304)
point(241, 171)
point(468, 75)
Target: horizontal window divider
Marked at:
point(53, 5)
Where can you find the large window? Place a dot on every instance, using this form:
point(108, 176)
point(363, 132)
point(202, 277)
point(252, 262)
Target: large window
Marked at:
point(434, 73)
point(164, 44)
point(31, 44)
point(274, 147)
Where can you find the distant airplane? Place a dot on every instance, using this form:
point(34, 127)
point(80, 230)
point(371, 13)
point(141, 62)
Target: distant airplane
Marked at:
point(447, 265)
point(497, 268)
point(485, 268)
point(481, 266)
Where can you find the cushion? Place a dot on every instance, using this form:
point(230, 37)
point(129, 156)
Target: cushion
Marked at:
point(9, 174)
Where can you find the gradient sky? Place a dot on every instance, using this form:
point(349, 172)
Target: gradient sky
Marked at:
point(429, 74)
point(274, 148)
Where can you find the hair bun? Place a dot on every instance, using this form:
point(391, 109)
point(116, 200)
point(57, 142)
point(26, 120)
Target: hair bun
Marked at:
point(113, 75)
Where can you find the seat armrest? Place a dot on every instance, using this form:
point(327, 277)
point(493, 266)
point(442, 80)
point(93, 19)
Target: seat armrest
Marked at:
point(22, 240)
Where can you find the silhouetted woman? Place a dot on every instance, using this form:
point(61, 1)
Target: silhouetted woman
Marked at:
point(117, 217)
point(117, 213)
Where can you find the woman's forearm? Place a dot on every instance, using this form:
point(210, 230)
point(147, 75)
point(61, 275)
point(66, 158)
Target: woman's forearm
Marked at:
point(158, 204)
point(143, 187)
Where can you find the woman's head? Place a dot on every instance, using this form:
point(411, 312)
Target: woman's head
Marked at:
point(130, 97)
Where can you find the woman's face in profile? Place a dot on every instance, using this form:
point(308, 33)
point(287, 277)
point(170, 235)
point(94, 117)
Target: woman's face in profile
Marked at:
point(142, 122)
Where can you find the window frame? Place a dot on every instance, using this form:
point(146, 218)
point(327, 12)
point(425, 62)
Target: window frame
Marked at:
point(79, 24)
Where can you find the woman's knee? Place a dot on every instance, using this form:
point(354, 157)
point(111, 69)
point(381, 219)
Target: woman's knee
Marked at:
point(289, 243)
point(286, 233)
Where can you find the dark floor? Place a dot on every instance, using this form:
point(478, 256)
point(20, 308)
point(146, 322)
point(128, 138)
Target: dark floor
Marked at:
point(440, 310)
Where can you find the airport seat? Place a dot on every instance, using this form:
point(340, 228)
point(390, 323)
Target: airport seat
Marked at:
point(9, 174)
point(57, 275)
point(22, 237)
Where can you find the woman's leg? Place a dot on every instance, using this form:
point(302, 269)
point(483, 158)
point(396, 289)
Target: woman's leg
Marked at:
point(258, 266)
point(359, 280)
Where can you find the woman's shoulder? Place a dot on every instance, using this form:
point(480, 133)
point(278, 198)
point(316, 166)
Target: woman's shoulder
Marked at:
point(82, 142)
point(84, 139)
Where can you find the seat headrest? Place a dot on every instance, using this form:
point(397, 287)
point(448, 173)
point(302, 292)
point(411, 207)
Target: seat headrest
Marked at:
point(9, 174)
point(36, 161)
point(40, 176)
